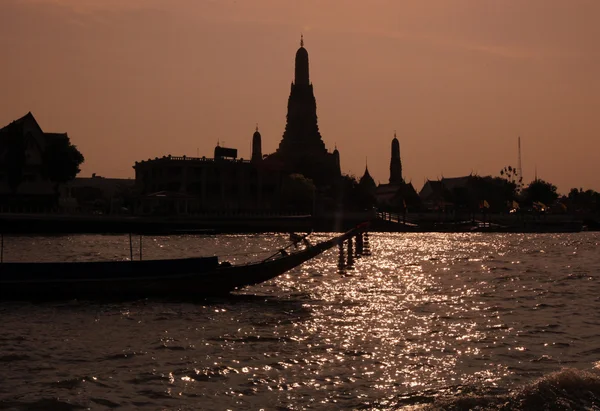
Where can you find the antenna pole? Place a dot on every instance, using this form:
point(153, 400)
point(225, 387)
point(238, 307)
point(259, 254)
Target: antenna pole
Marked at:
point(519, 165)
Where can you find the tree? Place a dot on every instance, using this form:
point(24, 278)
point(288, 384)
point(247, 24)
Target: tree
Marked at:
point(498, 192)
point(540, 191)
point(297, 193)
point(511, 175)
point(61, 160)
point(584, 200)
point(350, 195)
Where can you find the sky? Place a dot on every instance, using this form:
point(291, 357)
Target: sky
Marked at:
point(458, 80)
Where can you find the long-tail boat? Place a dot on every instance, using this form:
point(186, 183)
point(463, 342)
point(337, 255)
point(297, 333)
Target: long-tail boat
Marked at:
point(169, 278)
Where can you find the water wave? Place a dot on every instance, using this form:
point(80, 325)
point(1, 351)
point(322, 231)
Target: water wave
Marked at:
point(568, 389)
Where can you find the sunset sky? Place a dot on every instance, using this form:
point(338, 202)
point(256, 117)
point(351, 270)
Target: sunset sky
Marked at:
point(459, 80)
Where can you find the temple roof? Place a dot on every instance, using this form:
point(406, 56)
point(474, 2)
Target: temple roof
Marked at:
point(301, 53)
point(301, 66)
point(22, 120)
point(366, 178)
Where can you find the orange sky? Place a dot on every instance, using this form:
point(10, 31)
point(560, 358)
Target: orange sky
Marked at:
point(459, 80)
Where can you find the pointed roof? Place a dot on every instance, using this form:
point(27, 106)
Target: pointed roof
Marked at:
point(25, 118)
point(366, 174)
point(366, 178)
point(22, 127)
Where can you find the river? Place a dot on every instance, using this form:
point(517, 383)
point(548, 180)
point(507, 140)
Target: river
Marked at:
point(442, 321)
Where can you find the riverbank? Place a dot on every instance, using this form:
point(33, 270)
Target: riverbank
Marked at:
point(241, 223)
point(97, 224)
point(489, 222)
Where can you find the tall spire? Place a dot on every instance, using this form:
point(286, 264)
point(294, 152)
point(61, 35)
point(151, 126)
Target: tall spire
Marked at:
point(302, 77)
point(396, 163)
point(519, 166)
point(302, 149)
point(256, 146)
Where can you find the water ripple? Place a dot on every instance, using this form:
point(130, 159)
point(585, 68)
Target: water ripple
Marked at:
point(452, 321)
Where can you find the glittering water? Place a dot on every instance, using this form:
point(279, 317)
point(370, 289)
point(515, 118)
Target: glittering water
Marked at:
point(454, 321)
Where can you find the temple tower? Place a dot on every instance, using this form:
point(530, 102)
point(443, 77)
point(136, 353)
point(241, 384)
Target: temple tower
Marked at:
point(396, 163)
point(301, 149)
point(301, 77)
point(367, 182)
point(336, 158)
point(256, 146)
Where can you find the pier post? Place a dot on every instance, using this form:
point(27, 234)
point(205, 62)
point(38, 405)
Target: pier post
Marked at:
point(366, 245)
point(350, 262)
point(341, 258)
point(130, 248)
point(359, 244)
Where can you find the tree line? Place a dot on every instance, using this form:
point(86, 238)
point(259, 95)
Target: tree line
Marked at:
point(506, 192)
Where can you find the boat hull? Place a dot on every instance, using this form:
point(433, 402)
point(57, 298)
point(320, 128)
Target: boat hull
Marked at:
point(189, 278)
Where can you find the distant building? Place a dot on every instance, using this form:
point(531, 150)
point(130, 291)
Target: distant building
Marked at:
point(185, 185)
point(396, 163)
point(367, 183)
point(23, 183)
point(447, 192)
point(95, 193)
point(256, 147)
point(397, 195)
point(173, 185)
point(302, 149)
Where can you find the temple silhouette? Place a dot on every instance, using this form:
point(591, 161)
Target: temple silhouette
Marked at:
point(302, 149)
point(397, 194)
point(181, 184)
point(396, 163)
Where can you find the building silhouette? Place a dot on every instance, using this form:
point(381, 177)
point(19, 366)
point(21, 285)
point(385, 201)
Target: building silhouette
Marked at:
point(397, 195)
point(256, 147)
point(367, 182)
point(186, 185)
point(181, 185)
point(396, 163)
point(443, 193)
point(302, 149)
point(97, 194)
point(23, 182)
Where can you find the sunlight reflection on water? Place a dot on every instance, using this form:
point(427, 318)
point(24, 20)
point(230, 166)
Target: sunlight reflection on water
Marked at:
point(427, 315)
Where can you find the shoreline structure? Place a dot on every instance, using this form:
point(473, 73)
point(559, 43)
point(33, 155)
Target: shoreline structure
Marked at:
point(260, 223)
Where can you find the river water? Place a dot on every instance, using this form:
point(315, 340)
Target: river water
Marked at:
point(442, 321)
